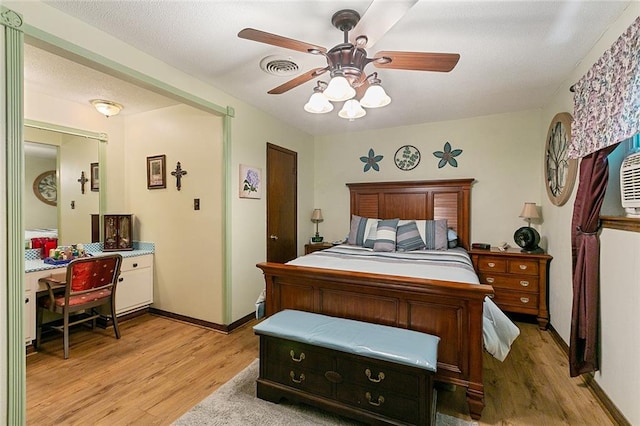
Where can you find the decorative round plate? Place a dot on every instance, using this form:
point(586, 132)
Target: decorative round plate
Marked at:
point(407, 157)
point(44, 186)
point(560, 171)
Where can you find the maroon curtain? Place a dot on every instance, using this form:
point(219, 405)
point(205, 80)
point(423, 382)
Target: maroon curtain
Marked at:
point(585, 245)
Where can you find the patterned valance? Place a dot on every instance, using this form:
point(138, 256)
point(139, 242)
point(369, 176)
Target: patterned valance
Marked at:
point(607, 98)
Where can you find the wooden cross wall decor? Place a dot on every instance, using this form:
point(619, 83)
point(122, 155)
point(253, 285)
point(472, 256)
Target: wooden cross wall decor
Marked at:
point(178, 173)
point(83, 179)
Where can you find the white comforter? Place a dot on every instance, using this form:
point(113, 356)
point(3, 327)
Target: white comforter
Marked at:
point(499, 331)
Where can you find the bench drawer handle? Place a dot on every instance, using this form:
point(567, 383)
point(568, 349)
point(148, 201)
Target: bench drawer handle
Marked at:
point(523, 267)
point(293, 356)
point(378, 380)
point(293, 377)
point(490, 280)
point(524, 299)
point(491, 265)
point(377, 403)
point(524, 283)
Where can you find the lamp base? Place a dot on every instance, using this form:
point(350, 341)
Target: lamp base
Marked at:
point(532, 251)
point(316, 239)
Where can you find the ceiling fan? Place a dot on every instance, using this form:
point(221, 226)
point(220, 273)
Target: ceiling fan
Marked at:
point(346, 61)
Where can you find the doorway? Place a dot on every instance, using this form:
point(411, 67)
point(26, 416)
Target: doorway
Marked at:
point(282, 204)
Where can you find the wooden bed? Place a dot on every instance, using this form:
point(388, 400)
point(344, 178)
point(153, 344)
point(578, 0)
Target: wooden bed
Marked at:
point(450, 310)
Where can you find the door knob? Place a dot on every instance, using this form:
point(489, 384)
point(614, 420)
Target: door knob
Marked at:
point(273, 237)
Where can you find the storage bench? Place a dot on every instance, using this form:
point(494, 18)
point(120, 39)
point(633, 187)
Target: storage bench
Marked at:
point(373, 373)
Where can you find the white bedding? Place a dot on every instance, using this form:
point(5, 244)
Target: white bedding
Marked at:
point(40, 233)
point(499, 331)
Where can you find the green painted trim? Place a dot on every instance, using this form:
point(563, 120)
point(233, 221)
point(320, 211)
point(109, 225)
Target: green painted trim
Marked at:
point(10, 18)
point(102, 137)
point(81, 55)
point(16, 363)
point(227, 279)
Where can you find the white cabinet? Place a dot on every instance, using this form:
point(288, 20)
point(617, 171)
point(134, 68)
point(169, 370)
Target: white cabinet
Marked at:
point(135, 286)
point(31, 288)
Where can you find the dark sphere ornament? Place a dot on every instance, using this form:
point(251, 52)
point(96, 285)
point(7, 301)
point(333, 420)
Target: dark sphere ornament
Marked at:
point(528, 238)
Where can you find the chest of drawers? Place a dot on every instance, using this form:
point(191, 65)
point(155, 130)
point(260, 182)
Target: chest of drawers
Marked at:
point(520, 280)
point(369, 390)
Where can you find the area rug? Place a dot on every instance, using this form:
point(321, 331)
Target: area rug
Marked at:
point(235, 403)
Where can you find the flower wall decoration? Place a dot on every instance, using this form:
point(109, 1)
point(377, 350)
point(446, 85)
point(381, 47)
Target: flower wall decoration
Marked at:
point(371, 161)
point(250, 182)
point(447, 156)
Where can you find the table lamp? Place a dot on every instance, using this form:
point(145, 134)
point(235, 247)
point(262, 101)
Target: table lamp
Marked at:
point(527, 237)
point(316, 217)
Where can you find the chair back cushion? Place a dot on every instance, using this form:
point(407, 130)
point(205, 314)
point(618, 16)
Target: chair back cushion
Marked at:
point(87, 274)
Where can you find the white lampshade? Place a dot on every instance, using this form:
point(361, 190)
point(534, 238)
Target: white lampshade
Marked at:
point(529, 211)
point(318, 104)
point(106, 108)
point(375, 97)
point(316, 216)
point(352, 110)
point(339, 89)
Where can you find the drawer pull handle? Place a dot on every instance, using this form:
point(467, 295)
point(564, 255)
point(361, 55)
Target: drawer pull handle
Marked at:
point(377, 403)
point(135, 265)
point(293, 377)
point(490, 280)
point(378, 380)
point(524, 299)
point(491, 265)
point(524, 283)
point(26, 300)
point(293, 356)
point(523, 267)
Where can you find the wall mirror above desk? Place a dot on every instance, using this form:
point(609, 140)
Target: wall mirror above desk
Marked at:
point(64, 182)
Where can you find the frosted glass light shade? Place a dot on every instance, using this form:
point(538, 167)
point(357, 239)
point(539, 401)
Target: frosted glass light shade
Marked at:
point(318, 104)
point(375, 97)
point(352, 110)
point(339, 89)
point(106, 108)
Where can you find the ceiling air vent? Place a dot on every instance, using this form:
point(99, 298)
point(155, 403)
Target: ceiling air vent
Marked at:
point(279, 65)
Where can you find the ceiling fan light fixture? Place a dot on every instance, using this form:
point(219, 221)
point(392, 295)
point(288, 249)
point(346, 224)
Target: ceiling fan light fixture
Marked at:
point(318, 104)
point(339, 89)
point(352, 110)
point(106, 108)
point(375, 97)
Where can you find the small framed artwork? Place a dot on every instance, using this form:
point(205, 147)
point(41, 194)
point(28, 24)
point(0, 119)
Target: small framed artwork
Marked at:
point(157, 172)
point(250, 182)
point(95, 177)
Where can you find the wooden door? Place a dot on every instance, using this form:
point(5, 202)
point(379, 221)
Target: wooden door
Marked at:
point(282, 204)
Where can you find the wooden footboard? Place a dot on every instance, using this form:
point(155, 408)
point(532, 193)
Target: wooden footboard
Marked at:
point(450, 310)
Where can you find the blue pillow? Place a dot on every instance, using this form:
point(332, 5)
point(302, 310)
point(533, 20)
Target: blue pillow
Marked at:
point(386, 235)
point(408, 237)
point(358, 229)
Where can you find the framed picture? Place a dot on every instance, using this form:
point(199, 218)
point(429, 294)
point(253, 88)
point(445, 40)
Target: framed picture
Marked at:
point(95, 177)
point(157, 172)
point(560, 170)
point(250, 182)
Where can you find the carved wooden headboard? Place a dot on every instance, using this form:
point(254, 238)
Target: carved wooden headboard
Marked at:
point(434, 199)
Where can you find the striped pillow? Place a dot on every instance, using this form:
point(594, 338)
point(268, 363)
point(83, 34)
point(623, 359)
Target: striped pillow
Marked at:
point(359, 229)
point(435, 234)
point(386, 235)
point(371, 237)
point(408, 237)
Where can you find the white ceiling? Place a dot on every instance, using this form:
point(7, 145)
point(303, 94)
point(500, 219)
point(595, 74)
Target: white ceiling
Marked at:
point(514, 54)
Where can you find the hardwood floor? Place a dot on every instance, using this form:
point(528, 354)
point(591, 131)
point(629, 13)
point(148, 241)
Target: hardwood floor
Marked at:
point(161, 367)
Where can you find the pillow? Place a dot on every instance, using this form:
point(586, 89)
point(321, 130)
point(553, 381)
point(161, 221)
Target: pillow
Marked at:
point(452, 237)
point(435, 234)
point(371, 237)
point(359, 229)
point(408, 237)
point(386, 235)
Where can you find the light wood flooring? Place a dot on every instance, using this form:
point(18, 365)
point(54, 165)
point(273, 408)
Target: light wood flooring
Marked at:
point(160, 368)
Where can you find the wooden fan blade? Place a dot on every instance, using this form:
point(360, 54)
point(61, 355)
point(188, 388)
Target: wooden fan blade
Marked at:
point(418, 61)
point(276, 40)
point(379, 18)
point(303, 78)
point(360, 90)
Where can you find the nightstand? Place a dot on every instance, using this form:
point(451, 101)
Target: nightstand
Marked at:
point(310, 248)
point(520, 280)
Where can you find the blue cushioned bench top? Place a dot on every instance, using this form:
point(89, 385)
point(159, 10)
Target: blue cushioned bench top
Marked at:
point(376, 341)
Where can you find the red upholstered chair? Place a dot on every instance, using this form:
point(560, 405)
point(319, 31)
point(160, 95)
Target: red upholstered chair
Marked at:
point(89, 283)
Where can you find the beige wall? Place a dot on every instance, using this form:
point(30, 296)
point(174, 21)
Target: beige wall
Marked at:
point(188, 258)
point(36, 213)
point(502, 152)
point(620, 286)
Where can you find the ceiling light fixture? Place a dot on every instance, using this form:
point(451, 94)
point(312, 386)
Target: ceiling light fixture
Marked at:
point(106, 108)
point(318, 103)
